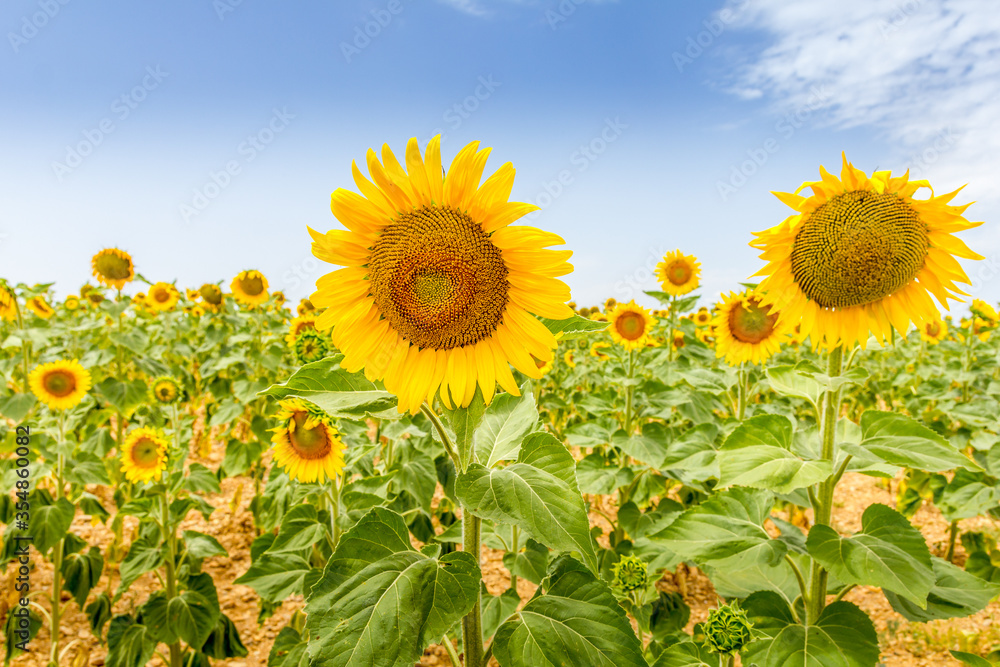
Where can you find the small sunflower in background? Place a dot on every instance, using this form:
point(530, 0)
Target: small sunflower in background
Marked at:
point(249, 288)
point(983, 310)
point(113, 267)
point(307, 443)
point(279, 299)
point(705, 336)
point(8, 303)
point(298, 325)
point(746, 330)
point(631, 325)
point(139, 299)
point(678, 339)
point(213, 297)
point(861, 256)
point(609, 304)
point(305, 306)
point(702, 318)
point(568, 358)
point(192, 294)
point(71, 303)
point(194, 310)
point(678, 273)
point(595, 350)
point(165, 390)
point(979, 327)
point(310, 346)
point(60, 384)
point(93, 296)
point(144, 455)
point(544, 367)
point(934, 331)
point(39, 306)
point(162, 297)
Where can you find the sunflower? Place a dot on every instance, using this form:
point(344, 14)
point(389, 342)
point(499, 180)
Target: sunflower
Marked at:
point(212, 295)
point(678, 339)
point(979, 327)
point(310, 346)
point(544, 367)
point(113, 267)
point(60, 384)
point(568, 358)
point(71, 303)
point(93, 295)
point(983, 310)
point(165, 390)
point(702, 318)
point(307, 444)
point(747, 330)
point(631, 325)
point(192, 294)
point(609, 304)
point(144, 455)
point(162, 297)
point(39, 306)
point(250, 288)
point(279, 299)
point(678, 273)
point(934, 331)
point(705, 336)
point(439, 290)
point(305, 306)
point(861, 256)
point(595, 350)
point(194, 310)
point(8, 303)
point(139, 299)
point(298, 325)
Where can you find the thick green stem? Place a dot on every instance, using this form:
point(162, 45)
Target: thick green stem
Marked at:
point(629, 392)
point(452, 653)
point(741, 406)
point(952, 535)
point(445, 440)
point(514, 547)
point(472, 624)
point(57, 554)
point(335, 512)
point(171, 579)
point(823, 506)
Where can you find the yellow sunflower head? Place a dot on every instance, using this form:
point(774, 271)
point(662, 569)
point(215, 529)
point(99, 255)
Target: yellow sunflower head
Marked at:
point(568, 358)
point(595, 350)
point(746, 330)
point(861, 256)
point(307, 443)
point(113, 267)
point(439, 292)
point(983, 310)
point(192, 294)
point(60, 384)
point(631, 325)
point(165, 390)
point(309, 346)
point(279, 299)
point(705, 336)
point(139, 299)
point(71, 303)
point(678, 273)
point(144, 455)
point(298, 325)
point(194, 310)
point(934, 331)
point(8, 303)
point(678, 339)
point(91, 294)
point(39, 306)
point(212, 295)
point(703, 317)
point(544, 367)
point(609, 304)
point(305, 306)
point(250, 288)
point(162, 297)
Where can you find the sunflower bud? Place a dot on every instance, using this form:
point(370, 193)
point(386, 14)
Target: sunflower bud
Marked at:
point(727, 629)
point(630, 573)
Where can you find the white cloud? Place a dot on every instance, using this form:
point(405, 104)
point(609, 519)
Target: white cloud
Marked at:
point(471, 7)
point(925, 73)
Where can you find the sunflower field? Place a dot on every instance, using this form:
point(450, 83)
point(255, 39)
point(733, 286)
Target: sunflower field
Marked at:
point(440, 459)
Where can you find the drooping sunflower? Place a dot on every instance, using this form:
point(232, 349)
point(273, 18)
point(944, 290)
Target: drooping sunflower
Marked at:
point(307, 443)
point(8, 303)
point(568, 358)
point(71, 303)
point(212, 295)
point(862, 256)
point(310, 346)
point(934, 331)
point(249, 288)
point(144, 455)
point(60, 384)
point(162, 297)
point(678, 273)
point(279, 299)
point(113, 267)
point(983, 310)
point(631, 325)
point(439, 289)
point(39, 306)
point(746, 330)
point(305, 306)
point(299, 324)
point(165, 390)
point(595, 350)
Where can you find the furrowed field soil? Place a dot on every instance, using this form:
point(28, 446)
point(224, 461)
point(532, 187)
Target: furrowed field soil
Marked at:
point(903, 644)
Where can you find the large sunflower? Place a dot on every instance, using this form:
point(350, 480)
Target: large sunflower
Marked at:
point(113, 267)
point(162, 297)
point(307, 444)
point(39, 306)
point(212, 296)
point(746, 330)
point(8, 303)
point(631, 325)
point(60, 384)
point(439, 290)
point(144, 455)
point(250, 288)
point(863, 256)
point(934, 331)
point(678, 273)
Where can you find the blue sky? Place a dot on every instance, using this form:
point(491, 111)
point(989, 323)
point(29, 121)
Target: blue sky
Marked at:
point(203, 136)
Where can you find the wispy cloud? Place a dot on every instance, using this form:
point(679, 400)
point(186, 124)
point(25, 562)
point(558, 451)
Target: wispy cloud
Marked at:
point(925, 73)
point(470, 7)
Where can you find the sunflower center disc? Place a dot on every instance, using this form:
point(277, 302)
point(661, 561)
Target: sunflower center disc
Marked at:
point(753, 324)
point(161, 296)
point(113, 267)
point(631, 326)
point(252, 286)
point(309, 443)
point(211, 294)
point(858, 248)
point(165, 392)
point(678, 272)
point(145, 453)
point(933, 329)
point(438, 279)
point(60, 383)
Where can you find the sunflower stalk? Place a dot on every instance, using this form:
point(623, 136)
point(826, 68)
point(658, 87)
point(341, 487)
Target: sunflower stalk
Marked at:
point(57, 554)
point(629, 393)
point(169, 536)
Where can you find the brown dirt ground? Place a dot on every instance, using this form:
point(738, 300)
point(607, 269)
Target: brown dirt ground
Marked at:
point(903, 644)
